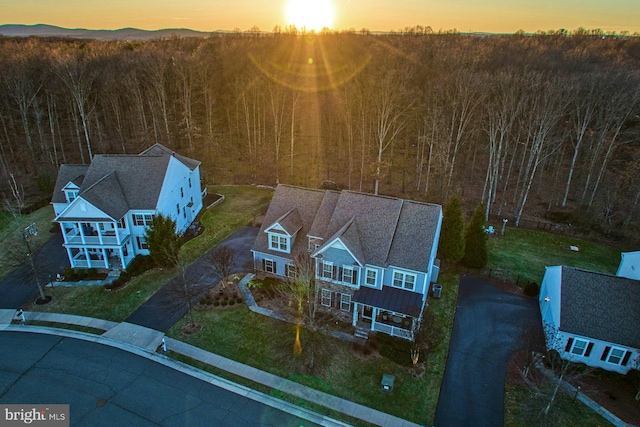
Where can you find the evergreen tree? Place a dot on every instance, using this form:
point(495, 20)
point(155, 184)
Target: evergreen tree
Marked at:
point(164, 241)
point(451, 247)
point(475, 253)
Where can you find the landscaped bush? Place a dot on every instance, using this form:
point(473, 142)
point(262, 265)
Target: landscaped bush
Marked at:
point(216, 303)
point(396, 349)
point(239, 300)
point(224, 303)
point(232, 302)
point(139, 265)
point(532, 289)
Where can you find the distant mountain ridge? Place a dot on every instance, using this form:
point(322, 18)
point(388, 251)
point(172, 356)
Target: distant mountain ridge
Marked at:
point(43, 30)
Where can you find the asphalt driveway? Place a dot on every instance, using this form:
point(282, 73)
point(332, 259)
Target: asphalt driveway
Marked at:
point(20, 286)
point(486, 331)
point(167, 306)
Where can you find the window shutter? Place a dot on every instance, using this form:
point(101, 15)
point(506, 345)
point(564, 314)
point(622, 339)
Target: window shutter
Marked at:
point(339, 276)
point(589, 347)
point(335, 272)
point(354, 278)
point(626, 358)
point(264, 265)
point(336, 300)
point(320, 269)
point(605, 353)
point(569, 342)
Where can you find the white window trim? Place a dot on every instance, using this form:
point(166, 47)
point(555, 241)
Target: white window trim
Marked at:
point(291, 271)
point(344, 270)
point(281, 239)
point(574, 347)
point(375, 276)
point(325, 294)
point(327, 264)
point(272, 269)
point(345, 299)
point(619, 362)
point(404, 280)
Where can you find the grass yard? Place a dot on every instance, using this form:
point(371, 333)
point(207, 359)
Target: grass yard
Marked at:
point(525, 253)
point(241, 205)
point(523, 408)
point(267, 344)
point(95, 301)
point(11, 236)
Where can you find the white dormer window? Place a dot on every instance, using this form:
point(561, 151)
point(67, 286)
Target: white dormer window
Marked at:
point(71, 195)
point(279, 243)
point(404, 280)
point(372, 277)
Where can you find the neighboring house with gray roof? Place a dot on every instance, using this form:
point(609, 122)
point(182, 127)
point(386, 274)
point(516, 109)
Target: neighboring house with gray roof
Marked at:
point(592, 318)
point(629, 265)
point(375, 256)
point(103, 208)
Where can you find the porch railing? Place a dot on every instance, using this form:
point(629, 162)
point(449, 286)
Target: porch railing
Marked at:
point(74, 238)
point(394, 331)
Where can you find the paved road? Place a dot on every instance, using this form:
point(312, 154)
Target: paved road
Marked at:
point(20, 287)
point(486, 331)
point(166, 307)
point(48, 369)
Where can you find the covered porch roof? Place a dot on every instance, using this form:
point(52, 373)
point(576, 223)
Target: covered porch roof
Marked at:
point(391, 299)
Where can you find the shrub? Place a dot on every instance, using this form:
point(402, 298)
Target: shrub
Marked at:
point(216, 303)
point(92, 272)
point(232, 302)
point(532, 289)
point(139, 265)
point(224, 303)
point(239, 300)
point(397, 350)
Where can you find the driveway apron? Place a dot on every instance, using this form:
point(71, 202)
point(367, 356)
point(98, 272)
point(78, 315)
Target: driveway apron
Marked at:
point(166, 307)
point(487, 328)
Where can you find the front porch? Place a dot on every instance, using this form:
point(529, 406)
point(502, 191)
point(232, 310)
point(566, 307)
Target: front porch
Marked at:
point(94, 233)
point(100, 257)
point(392, 311)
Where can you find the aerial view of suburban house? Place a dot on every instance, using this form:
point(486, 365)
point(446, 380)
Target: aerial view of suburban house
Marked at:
point(591, 317)
point(375, 256)
point(103, 208)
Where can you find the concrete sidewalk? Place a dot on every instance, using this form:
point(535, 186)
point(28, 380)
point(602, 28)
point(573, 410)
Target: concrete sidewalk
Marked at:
point(144, 341)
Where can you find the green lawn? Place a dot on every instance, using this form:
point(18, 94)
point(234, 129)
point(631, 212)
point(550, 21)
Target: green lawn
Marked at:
point(525, 253)
point(267, 344)
point(12, 247)
point(523, 409)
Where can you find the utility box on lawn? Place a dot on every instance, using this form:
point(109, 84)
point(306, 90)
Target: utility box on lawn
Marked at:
point(436, 290)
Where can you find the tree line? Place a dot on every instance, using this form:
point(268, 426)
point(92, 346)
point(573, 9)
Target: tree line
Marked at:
point(526, 124)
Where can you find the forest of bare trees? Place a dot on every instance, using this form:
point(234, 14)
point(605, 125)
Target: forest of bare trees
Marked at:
point(534, 126)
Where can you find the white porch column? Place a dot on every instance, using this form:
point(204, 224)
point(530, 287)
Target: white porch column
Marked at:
point(81, 229)
point(105, 258)
point(86, 255)
point(121, 257)
point(70, 255)
point(355, 314)
point(374, 314)
point(99, 233)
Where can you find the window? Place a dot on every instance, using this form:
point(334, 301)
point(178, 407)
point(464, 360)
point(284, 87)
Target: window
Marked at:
point(270, 266)
point(372, 277)
point(615, 356)
point(579, 347)
point(142, 244)
point(290, 271)
point(122, 223)
point(279, 243)
point(349, 275)
point(345, 302)
point(181, 192)
point(404, 280)
point(327, 270)
point(143, 219)
point(71, 195)
point(189, 182)
point(326, 297)
point(178, 208)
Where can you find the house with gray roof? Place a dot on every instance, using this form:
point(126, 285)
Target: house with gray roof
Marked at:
point(592, 318)
point(104, 208)
point(374, 256)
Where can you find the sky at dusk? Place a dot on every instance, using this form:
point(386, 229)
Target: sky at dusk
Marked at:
point(499, 16)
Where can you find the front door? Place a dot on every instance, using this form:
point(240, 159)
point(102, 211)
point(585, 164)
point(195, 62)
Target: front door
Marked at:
point(367, 312)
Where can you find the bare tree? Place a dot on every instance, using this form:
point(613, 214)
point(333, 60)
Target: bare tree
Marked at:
point(223, 261)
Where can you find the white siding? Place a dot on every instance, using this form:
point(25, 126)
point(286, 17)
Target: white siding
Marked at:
point(176, 191)
point(630, 265)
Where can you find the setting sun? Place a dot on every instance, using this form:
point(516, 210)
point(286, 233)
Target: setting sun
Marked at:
point(310, 14)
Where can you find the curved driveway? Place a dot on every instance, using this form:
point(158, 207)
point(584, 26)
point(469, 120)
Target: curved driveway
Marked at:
point(486, 330)
point(106, 386)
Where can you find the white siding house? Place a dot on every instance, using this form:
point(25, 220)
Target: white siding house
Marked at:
point(629, 265)
point(104, 208)
point(592, 318)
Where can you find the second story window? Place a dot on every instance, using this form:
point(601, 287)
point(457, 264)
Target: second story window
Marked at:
point(143, 219)
point(404, 280)
point(372, 276)
point(279, 243)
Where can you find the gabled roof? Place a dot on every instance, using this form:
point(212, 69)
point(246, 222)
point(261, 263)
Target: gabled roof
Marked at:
point(290, 222)
point(161, 150)
point(377, 230)
point(116, 183)
point(600, 306)
point(67, 174)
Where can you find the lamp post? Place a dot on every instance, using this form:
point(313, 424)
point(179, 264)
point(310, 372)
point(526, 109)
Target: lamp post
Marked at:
point(504, 225)
point(30, 231)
